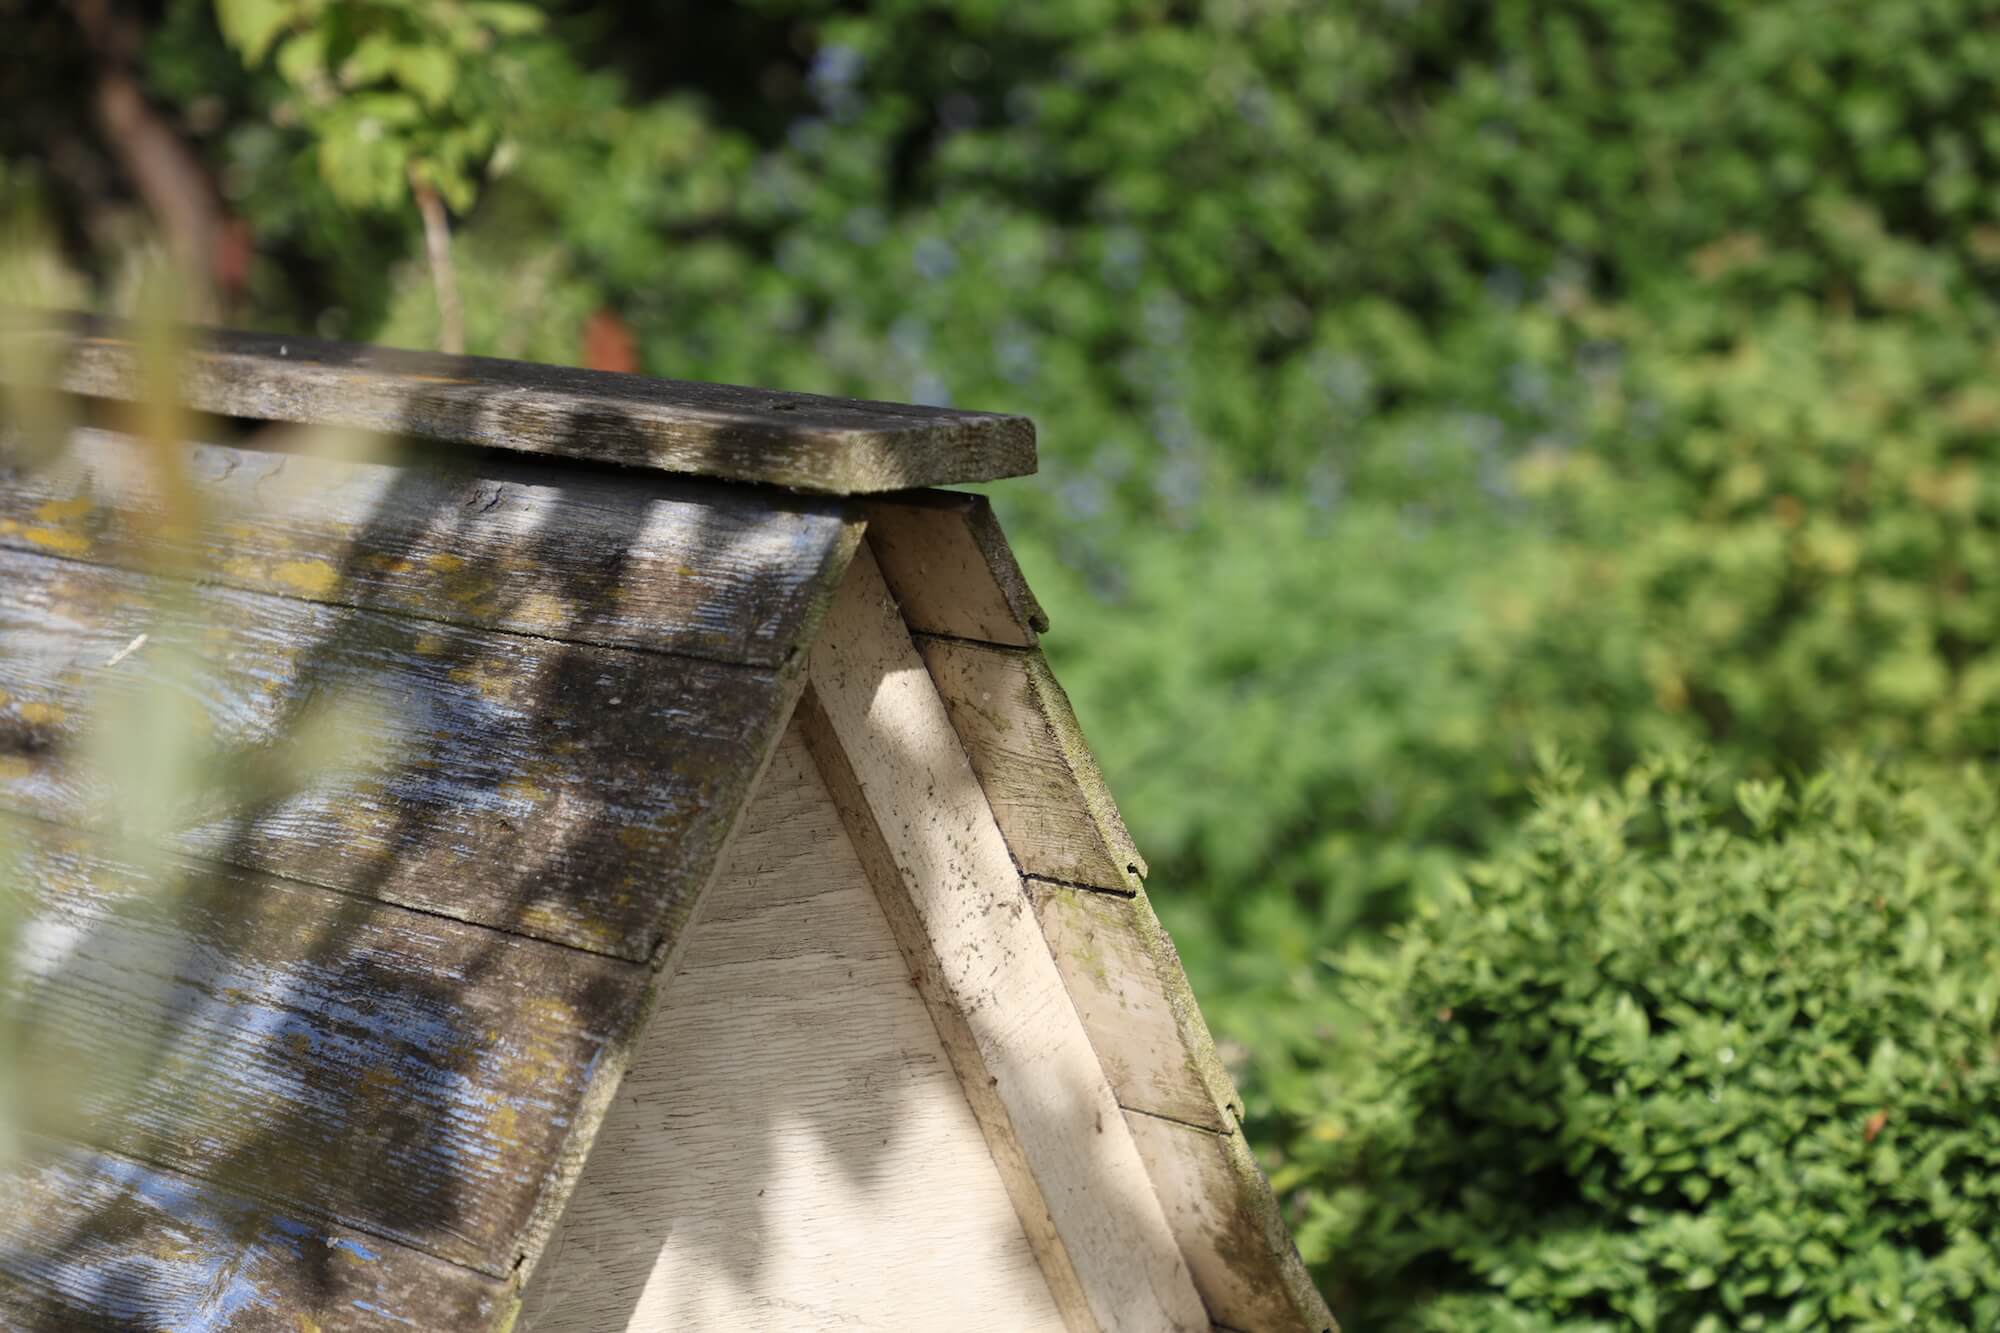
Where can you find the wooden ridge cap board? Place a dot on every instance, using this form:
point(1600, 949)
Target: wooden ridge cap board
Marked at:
point(567, 792)
point(803, 441)
point(945, 558)
point(637, 561)
point(354, 1062)
point(91, 1242)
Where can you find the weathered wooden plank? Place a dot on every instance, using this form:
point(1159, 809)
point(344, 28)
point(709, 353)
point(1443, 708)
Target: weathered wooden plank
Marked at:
point(804, 441)
point(790, 1148)
point(914, 808)
point(1126, 979)
point(944, 557)
point(572, 793)
point(633, 560)
point(342, 1059)
point(1221, 1207)
point(95, 1243)
point(1047, 794)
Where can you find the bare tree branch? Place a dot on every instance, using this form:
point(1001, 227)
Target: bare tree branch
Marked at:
point(169, 176)
point(444, 277)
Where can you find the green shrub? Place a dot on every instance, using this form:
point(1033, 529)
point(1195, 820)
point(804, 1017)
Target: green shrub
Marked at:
point(1683, 1060)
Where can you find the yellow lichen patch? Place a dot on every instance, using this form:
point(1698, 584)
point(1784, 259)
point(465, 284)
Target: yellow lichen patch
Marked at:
point(42, 715)
point(377, 1082)
point(549, 1012)
point(556, 920)
point(472, 592)
point(244, 568)
point(491, 679)
point(637, 838)
point(314, 578)
point(62, 543)
point(447, 564)
point(543, 919)
point(522, 787)
point(542, 610)
point(13, 768)
point(62, 511)
point(430, 645)
point(506, 1123)
point(541, 1061)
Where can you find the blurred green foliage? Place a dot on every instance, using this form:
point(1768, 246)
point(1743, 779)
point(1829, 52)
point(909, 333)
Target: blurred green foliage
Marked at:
point(389, 91)
point(1421, 382)
point(1685, 1057)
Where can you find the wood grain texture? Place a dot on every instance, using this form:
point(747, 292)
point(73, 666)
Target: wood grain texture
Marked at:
point(1129, 989)
point(1243, 1259)
point(883, 740)
point(1040, 778)
point(944, 557)
point(803, 441)
point(1120, 967)
point(790, 1148)
point(95, 1243)
point(635, 561)
point(571, 793)
point(345, 1060)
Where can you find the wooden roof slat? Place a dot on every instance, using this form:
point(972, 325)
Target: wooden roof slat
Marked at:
point(567, 792)
point(95, 1243)
point(1084, 878)
point(344, 1060)
point(1220, 1206)
point(1126, 980)
point(634, 561)
point(1024, 742)
point(803, 441)
point(941, 869)
point(944, 557)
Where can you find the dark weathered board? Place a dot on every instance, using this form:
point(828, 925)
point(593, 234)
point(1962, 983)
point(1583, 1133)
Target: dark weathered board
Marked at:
point(944, 556)
point(93, 1243)
point(345, 1060)
point(632, 560)
point(573, 793)
point(804, 441)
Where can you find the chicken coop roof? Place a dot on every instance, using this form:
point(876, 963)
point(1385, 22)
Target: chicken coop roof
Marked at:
point(340, 1034)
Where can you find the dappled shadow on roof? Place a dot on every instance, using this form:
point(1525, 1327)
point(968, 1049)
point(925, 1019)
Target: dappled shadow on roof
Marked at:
point(417, 869)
